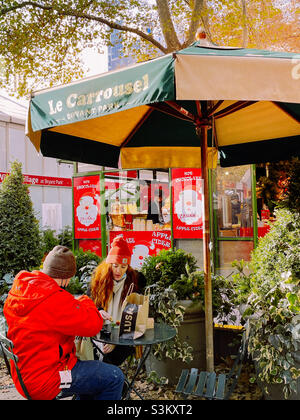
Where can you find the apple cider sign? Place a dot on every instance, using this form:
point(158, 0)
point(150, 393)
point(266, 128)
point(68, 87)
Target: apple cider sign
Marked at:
point(187, 203)
point(87, 214)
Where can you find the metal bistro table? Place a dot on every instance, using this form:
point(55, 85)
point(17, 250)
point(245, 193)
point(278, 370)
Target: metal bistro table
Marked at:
point(160, 333)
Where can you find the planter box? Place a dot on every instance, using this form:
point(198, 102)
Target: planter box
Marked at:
point(226, 343)
point(275, 391)
point(192, 330)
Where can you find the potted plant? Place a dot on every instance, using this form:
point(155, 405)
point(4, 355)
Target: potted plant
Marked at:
point(177, 298)
point(270, 296)
point(165, 307)
point(178, 270)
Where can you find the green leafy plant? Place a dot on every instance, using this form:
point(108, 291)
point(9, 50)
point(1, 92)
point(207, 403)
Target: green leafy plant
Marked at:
point(164, 307)
point(19, 230)
point(190, 285)
point(48, 240)
point(86, 273)
point(75, 287)
point(178, 270)
point(86, 262)
point(171, 278)
point(239, 282)
point(65, 237)
point(271, 295)
point(5, 285)
point(83, 258)
point(154, 378)
point(168, 266)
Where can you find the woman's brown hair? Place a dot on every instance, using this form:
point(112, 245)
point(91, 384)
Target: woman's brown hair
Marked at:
point(102, 284)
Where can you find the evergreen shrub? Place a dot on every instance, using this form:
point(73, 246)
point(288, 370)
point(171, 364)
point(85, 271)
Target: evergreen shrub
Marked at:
point(19, 229)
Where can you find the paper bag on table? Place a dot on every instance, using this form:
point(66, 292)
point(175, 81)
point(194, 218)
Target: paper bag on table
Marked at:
point(135, 311)
point(150, 323)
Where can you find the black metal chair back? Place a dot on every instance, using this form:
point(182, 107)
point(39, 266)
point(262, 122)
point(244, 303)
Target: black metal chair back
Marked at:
point(6, 347)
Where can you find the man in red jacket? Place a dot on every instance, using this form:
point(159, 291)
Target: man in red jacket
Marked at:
point(43, 320)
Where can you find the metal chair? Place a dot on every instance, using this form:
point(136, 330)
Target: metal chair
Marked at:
point(210, 385)
point(6, 346)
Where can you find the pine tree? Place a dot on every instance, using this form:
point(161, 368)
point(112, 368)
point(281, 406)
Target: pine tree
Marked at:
point(19, 230)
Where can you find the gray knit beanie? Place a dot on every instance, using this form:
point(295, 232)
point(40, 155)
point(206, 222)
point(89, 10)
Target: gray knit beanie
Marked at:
point(60, 263)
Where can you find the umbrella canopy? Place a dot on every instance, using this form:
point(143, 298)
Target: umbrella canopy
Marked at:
point(126, 118)
point(170, 111)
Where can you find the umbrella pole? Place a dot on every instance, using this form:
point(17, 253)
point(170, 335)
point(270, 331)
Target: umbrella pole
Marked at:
point(206, 253)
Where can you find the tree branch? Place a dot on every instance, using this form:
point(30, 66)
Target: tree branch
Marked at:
point(118, 27)
point(89, 17)
point(7, 10)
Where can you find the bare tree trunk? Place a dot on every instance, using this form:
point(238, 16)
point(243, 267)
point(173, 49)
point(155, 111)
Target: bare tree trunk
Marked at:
point(197, 20)
point(167, 25)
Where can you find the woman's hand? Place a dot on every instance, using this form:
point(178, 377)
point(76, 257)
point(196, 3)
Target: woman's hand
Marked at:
point(105, 315)
point(108, 348)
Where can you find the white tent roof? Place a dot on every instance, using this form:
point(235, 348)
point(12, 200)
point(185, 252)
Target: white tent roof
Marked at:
point(12, 110)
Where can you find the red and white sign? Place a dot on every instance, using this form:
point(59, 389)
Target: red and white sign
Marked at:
point(122, 174)
point(93, 245)
point(143, 244)
point(187, 203)
point(45, 181)
point(87, 219)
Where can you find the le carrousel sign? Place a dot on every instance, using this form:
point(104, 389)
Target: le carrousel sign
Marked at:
point(101, 95)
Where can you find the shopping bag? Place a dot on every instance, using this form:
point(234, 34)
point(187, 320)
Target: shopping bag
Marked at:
point(84, 348)
point(134, 318)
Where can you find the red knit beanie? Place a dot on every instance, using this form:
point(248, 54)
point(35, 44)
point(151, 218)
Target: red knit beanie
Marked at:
point(119, 252)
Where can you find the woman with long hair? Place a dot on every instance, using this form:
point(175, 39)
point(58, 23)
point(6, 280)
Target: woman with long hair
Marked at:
point(109, 286)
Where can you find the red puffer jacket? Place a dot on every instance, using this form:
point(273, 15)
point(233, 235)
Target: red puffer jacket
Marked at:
point(43, 320)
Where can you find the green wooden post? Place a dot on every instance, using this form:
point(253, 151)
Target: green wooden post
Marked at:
point(74, 242)
point(171, 208)
point(103, 213)
point(254, 205)
point(211, 217)
point(73, 215)
point(215, 223)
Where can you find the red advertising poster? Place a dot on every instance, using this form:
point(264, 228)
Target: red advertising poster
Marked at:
point(87, 219)
point(143, 244)
point(92, 245)
point(187, 203)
